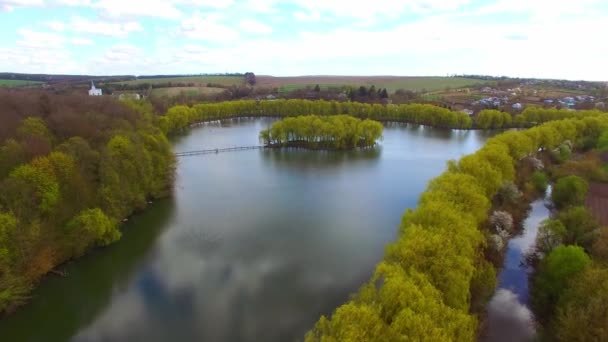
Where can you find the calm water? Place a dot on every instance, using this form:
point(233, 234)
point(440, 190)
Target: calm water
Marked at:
point(509, 316)
point(253, 246)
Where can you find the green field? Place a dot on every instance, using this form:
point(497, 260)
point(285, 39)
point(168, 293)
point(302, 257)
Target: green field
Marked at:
point(391, 83)
point(17, 83)
point(198, 80)
point(188, 91)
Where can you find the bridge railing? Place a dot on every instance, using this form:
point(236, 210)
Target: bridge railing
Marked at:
point(218, 150)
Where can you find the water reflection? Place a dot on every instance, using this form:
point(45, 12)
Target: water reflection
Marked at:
point(61, 306)
point(301, 160)
point(510, 319)
point(508, 315)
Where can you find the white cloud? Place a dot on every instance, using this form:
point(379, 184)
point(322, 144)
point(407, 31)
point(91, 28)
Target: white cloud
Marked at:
point(120, 54)
point(74, 2)
point(40, 40)
point(370, 10)
point(253, 26)
point(130, 9)
point(206, 28)
point(81, 41)
point(105, 28)
point(303, 16)
point(56, 25)
point(218, 4)
point(9, 5)
point(261, 6)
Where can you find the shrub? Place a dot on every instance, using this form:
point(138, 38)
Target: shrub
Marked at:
point(509, 193)
point(540, 181)
point(502, 221)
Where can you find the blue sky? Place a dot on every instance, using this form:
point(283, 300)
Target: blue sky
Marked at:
point(525, 38)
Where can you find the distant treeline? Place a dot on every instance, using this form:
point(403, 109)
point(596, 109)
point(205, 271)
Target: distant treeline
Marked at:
point(422, 290)
point(189, 75)
point(318, 132)
point(71, 169)
point(51, 79)
point(179, 117)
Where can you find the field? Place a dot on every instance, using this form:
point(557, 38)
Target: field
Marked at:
point(197, 80)
point(391, 83)
point(597, 202)
point(17, 83)
point(189, 91)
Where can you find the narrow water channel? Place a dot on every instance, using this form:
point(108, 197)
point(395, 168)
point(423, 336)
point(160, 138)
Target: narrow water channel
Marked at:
point(509, 317)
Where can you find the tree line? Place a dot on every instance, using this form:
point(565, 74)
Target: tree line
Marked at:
point(312, 131)
point(179, 117)
point(71, 169)
point(422, 289)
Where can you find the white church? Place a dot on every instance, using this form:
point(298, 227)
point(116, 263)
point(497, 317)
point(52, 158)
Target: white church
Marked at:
point(94, 91)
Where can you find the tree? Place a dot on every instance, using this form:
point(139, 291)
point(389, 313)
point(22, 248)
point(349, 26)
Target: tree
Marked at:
point(561, 265)
point(551, 234)
point(317, 88)
point(91, 228)
point(582, 313)
point(581, 227)
point(570, 191)
point(30, 191)
point(8, 225)
point(250, 78)
point(540, 181)
point(384, 94)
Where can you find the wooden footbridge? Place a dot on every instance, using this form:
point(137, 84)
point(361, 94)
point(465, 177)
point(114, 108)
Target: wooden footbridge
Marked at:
point(218, 150)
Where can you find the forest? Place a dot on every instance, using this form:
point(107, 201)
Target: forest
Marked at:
point(72, 169)
point(316, 132)
point(430, 277)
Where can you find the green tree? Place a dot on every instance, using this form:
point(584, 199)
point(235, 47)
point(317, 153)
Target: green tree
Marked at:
point(581, 227)
point(561, 265)
point(91, 228)
point(540, 181)
point(570, 191)
point(582, 313)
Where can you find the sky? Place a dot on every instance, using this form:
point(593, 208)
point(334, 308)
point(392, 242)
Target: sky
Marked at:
point(562, 39)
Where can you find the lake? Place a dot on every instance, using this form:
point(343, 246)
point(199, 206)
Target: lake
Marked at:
point(253, 245)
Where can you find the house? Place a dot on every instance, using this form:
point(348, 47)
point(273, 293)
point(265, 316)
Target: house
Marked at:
point(94, 91)
point(130, 96)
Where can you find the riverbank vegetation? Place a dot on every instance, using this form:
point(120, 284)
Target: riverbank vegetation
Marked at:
point(422, 289)
point(571, 279)
point(323, 132)
point(71, 169)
